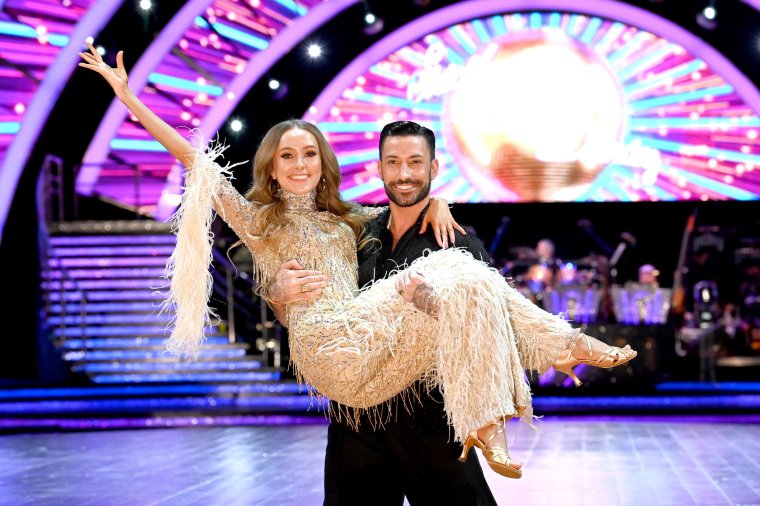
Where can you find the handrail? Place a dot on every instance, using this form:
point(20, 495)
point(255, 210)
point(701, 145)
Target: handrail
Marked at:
point(50, 188)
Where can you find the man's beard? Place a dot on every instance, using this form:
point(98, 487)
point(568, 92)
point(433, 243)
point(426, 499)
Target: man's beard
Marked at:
point(409, 199)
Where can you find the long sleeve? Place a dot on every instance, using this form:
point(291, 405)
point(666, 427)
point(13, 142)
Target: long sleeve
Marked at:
point(187, 269)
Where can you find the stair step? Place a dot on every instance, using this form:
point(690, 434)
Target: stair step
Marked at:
point(112, 239)
point(113, 251)
point(137, 331)
point(69, 263)
point(271, 403)
point(205, 353)
point(170, 367)
point(108, 319)
point(134, 342)
point(106, 307)
point(108, 295)
point(176, 377)
point(95, 273)
point(100, 284)
point(201, 389)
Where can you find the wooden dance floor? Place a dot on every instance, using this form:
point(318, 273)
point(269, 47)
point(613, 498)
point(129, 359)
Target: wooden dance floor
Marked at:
point(641, 462)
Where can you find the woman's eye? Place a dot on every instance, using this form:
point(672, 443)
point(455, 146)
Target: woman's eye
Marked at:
point(311, 153)
point(286, 156)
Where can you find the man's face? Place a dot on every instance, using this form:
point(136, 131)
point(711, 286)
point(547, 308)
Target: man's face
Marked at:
point(406, 169)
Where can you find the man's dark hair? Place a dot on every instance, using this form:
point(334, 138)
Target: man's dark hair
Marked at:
point(407, 128)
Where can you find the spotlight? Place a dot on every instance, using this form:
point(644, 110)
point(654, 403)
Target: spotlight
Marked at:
point(372, 24)
point(279, 89)
point(145, 5)
point(707, 18)
point(101, 50)
point(236, 125)
point(314, 50)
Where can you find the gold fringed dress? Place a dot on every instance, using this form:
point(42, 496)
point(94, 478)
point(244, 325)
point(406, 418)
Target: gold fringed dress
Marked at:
point(363, 347)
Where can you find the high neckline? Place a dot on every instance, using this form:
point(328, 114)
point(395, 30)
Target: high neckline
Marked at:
point(293, 202)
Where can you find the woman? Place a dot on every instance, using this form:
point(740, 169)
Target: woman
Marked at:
point(361, 350)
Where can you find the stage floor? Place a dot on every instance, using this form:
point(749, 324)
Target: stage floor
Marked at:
point(569, 461)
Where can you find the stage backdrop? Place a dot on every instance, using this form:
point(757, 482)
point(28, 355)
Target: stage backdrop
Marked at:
point(550, 107)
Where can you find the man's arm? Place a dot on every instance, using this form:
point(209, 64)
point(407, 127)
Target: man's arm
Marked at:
point(292, 283)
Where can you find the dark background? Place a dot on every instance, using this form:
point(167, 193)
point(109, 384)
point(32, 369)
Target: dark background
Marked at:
point(658, 227)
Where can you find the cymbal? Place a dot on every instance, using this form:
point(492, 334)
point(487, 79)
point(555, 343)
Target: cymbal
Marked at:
point(523, 252)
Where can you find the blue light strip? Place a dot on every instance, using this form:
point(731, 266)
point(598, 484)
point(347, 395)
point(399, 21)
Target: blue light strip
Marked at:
point(481, 31)
point(463, 38)
point(498, 25)
point(9, 127)
point(241, 36)
point(555, 19)
point(124, 342)
point(662, 78)
point(701, 122)
point(398, 102)
point(591, 30)
point(184, 84)
point(133, 390)
point(613, 32)
point(137, 145)
point(649, 60)
point(348, 127)
point(681, 149)
point(130, 367)
point(180, 377)
point(358, 157)
point(26, 31)
point(148, 354)
point(361, 189)
point(290, 4)
point(694, 386)
point(639, 105)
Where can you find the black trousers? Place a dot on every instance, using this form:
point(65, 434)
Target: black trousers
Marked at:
point(381, 467)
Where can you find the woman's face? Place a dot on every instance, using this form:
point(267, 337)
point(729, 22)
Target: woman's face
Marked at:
point(297, 162)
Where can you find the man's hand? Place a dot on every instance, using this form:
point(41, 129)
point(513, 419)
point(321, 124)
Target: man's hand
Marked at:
point(293, 283)
point(415, 289)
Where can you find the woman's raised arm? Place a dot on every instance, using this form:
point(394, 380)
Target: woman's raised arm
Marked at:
point(164, 133)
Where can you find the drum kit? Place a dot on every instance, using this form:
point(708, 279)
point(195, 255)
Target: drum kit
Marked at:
point(580, 290)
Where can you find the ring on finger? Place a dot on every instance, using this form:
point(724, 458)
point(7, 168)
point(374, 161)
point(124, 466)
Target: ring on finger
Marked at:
point(305, 288)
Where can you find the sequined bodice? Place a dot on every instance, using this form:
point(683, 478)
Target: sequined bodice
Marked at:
point(318, 240)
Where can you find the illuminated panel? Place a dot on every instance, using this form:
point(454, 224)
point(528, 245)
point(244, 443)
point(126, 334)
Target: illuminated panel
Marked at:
point(194, 70)
point(36, 59)
point(551, 106)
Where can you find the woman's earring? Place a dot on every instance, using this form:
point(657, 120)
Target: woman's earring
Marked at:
point(322, 185)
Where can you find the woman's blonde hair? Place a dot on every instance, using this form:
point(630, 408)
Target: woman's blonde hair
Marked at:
point(263, 193)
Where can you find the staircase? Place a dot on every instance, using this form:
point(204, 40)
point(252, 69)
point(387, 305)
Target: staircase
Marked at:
point(102, 293)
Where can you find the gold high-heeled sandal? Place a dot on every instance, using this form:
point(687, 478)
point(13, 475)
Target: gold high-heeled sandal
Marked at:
point(498, 459)
point(611, 357)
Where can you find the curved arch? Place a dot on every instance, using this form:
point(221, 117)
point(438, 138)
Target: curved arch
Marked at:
point(228, 73)
point(403, 49)
point(43, 100)
point(462, 12)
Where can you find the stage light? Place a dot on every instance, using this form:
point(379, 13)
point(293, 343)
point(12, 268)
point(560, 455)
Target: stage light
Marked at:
point(236, 125)
point(145, 5)
point(314, 51)
point(372, 24)
point(707, 18)
point(101, 50)
point(279, 89)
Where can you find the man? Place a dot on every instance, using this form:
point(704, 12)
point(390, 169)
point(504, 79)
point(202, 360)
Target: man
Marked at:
point(413, 455)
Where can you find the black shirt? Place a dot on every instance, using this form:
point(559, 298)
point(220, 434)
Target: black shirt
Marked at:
point(376, 261)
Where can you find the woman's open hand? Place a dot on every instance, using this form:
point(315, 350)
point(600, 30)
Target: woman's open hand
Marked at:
point(116, 77)
point(439, 217)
